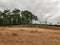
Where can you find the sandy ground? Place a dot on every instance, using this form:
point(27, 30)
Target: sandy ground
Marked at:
point(29, 36)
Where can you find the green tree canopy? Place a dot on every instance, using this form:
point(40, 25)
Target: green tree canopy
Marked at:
point(16, 16)
point(28, 16)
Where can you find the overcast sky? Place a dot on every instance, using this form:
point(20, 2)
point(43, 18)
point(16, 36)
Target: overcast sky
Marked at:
point(46, 10)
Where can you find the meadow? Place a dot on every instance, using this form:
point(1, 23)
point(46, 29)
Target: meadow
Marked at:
point(29, 35)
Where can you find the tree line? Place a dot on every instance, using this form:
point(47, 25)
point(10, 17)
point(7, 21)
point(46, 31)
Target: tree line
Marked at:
point(16, 17)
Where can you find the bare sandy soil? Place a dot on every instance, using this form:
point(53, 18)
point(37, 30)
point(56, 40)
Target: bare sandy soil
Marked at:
point(29, 36)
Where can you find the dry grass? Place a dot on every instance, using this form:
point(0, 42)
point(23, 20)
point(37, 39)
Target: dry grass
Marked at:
point(29, 36)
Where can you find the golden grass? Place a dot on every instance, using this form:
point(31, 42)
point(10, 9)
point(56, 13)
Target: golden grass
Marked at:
point(29, 36)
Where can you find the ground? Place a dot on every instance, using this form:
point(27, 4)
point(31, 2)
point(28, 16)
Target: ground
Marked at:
point(17, 35)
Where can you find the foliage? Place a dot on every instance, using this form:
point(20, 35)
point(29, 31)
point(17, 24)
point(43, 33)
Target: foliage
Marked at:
point(16, 17)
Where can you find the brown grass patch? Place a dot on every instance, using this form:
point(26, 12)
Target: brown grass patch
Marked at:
point(29, 36)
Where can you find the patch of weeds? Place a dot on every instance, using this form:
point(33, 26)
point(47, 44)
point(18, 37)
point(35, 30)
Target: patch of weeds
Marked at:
point(33, 31)
point(40, 32)
point(0, 34)
point(2, 29)
point(14, 34)
point(57, 32)
point(22, 30)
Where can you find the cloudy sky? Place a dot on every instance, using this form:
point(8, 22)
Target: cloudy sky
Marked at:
point(46, 10)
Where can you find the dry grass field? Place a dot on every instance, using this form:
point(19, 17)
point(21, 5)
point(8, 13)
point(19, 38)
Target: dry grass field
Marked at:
point(18, 35)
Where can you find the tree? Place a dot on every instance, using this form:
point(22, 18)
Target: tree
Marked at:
point(1, 18)
point(46, 22)
point(5, 17)
point(50, 23)
point(27, 17)
point(16, 16)
point(57, 22)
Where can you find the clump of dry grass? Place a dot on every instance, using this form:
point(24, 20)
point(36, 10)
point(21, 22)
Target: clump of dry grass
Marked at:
point(14, 34)
point(57, 32)
point(34, 31)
